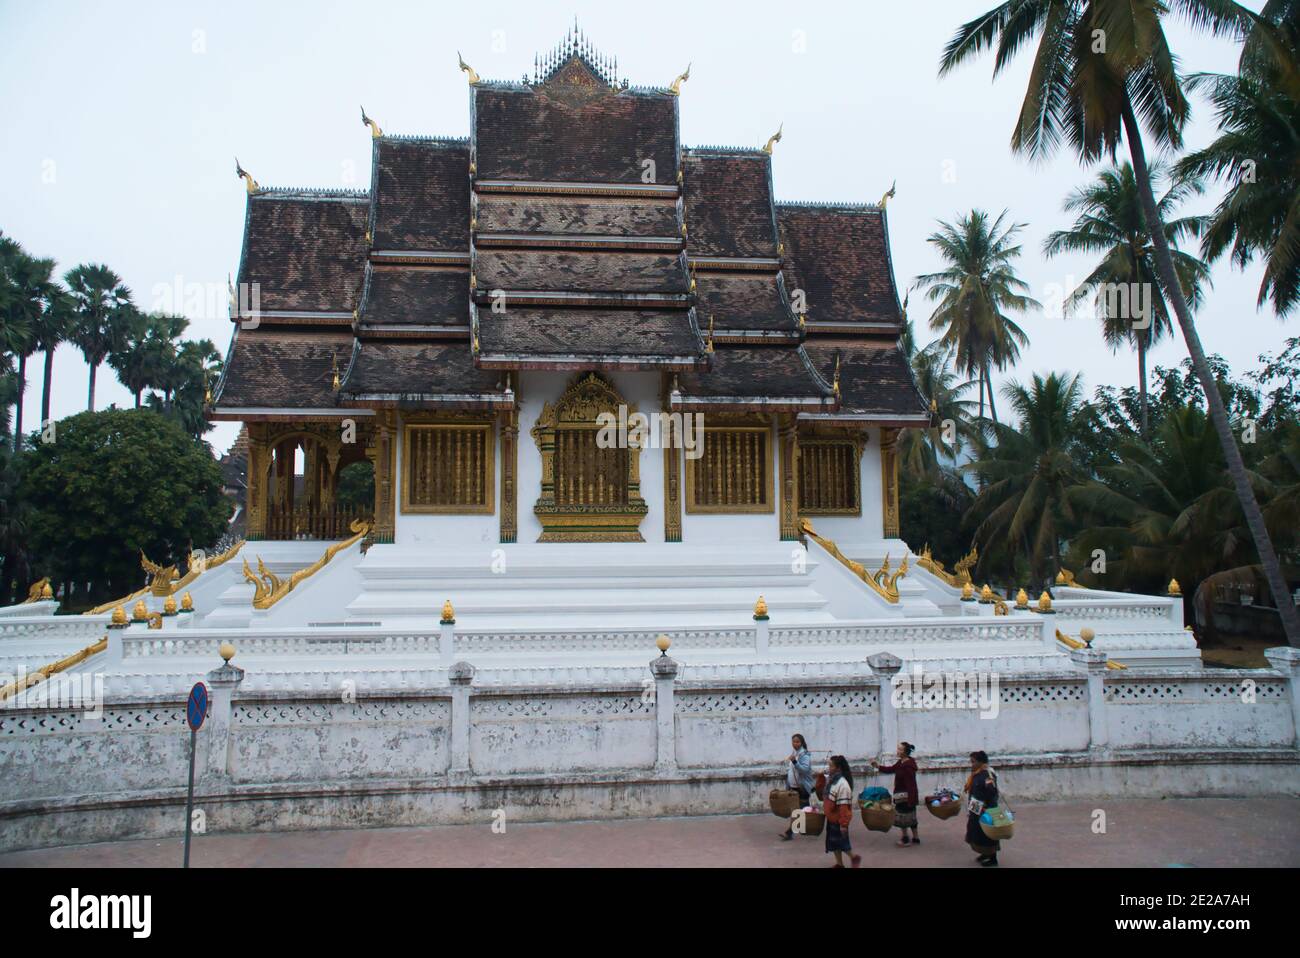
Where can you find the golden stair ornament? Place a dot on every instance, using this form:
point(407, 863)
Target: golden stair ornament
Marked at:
point(448, 614)
point(760, 610)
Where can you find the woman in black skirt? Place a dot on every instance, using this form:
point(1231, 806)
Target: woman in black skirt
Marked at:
point(982, 793)
point(838, 807)
point(906, 795)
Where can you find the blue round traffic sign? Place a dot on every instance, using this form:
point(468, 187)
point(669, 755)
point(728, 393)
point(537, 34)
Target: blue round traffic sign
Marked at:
point(196, 709)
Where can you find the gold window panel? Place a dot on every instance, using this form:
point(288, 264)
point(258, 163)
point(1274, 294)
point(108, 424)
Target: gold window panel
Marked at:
point(448, 468)
point(830, 477)
point(733, 473)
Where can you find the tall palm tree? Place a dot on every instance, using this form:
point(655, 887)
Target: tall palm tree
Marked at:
point(975, 292)
point(52, 329)
point(1099, 66)
point(923, 451)
point(37, 298)
point(102, 303)
point(185, 382)
point(147, 350)
point(1123, 286)
point(17, 332)
point(1029, 473)
point(1258, 154)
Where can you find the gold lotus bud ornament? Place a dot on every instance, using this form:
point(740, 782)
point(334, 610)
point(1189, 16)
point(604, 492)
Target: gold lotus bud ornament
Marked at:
point(448, 614)
point(119, 618)
point(47, 592)
point(1060, 578)
point(1045, 604)
point(663, 643)
point(187, 603)
point(140, 612)
point(1174, 588)
point(968, 592)
point(1022, 599)
point(760, 610)
point(227, 651)
point(1087, 635)
point(986, 594)
point(169, 606)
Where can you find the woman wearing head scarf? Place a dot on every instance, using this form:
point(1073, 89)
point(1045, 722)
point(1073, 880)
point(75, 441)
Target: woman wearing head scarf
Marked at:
point(838, 806)
point(906, 796)
point(982, 793)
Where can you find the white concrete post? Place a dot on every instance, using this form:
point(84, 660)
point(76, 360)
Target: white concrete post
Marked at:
point(222, 683)
point(664, 671)
point(1286, 660)
point(885, 666)
point(1093, 662)
point(461, 677)
point(761, 639)
point(447, 640)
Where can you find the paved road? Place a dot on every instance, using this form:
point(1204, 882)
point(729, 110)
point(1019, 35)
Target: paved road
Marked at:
point(1177, 833)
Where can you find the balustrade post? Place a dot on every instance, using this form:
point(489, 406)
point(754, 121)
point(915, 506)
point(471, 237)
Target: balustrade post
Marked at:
point(1286, 660)
point(222, 684)
point(885, 666)
point(1093, 662)
point(461, 677)
point(664, 671)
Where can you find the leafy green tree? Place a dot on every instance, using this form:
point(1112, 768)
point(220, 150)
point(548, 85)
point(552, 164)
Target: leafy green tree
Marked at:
point(1029, 474)
point(1104, 72)
point(101, 306)
point(975, 293)
point(113, 483)
point(1123, 287)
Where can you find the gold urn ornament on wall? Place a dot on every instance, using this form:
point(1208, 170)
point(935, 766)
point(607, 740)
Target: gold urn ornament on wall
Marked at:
point(760, 610)
point(448, 614)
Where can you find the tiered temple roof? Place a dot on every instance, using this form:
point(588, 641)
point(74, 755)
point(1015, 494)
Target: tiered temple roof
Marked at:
point(570, 231)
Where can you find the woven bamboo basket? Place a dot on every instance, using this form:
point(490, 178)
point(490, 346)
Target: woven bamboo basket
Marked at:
point(813, 822)
point(998, 833)
point(783, 801)
point(946, 810)
point(879, 817)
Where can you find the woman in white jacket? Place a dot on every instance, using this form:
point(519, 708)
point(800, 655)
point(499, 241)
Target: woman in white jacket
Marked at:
point(799, 775)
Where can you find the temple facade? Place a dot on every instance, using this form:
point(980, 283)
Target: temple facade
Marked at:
point(568, 328)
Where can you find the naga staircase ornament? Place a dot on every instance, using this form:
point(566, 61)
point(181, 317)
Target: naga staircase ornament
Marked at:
point(961, 571)
point(268, 588)
point(882, 581)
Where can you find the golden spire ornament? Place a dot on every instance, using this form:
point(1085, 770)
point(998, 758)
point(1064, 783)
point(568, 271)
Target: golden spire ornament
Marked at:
point(967, 591)
point(773, 140)
point(675, 88)
point(140, 612)
point(249, 183)
point(708, 346)
point(448, 614)
point(375, 131)
point(760, 610)
point(335, 362)
point(187, 603)
point(119, 617)
point(1045, 604)
point(1022, 599)
point(986, 594)
point(889, 194)
point(1175, 589)
point(169, 606)
point(468, 70)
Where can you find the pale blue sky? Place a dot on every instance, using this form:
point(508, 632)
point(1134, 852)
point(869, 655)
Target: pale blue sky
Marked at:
point(122, 120)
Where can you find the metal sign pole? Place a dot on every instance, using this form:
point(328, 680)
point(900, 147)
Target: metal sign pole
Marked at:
point(189, 800)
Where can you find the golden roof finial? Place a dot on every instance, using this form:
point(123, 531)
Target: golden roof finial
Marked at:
point(469, 70)
point(1174, 588)
point(335, 362)
point(708, 346)
point(249, 183)
point(207, 390)
point(375, 131)
point(889, 193)
point(675, 88)
point(836, 386)
point(934, 405)
point(773, 140)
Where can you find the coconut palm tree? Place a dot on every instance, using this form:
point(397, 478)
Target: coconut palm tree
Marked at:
point(147, 351)
point(1258, 154)
point(38, 299)
point(922, 451)
point(1123, 286)
point(101, 303)
point(1029, 473)
point(975, 293)
point(1103, 72)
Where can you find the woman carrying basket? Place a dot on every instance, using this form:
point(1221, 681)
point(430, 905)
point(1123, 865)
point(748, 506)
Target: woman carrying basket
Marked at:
point(839, 811)
point(906, 796)
point(799, 776)
point(982, 793)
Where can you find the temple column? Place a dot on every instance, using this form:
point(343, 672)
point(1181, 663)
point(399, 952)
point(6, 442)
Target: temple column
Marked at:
point(789, 455)
point(385, 481)
point(672, 473)
point(509, 430)
point(889, 481)
point(256, 481)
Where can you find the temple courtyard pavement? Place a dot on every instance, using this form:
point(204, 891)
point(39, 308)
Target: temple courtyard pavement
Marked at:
point(1170, 833)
